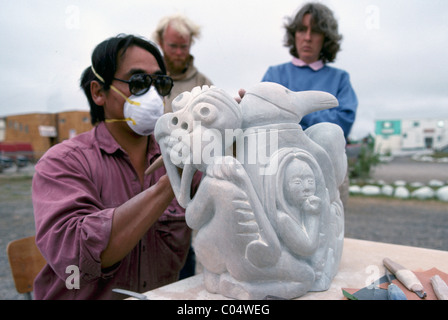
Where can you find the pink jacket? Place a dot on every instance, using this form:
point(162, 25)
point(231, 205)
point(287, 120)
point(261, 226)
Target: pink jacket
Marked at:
point(76, 187)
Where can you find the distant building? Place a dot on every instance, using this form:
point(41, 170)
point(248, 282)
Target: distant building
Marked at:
point(396, 135)
point(2, 129)
point(43, 130)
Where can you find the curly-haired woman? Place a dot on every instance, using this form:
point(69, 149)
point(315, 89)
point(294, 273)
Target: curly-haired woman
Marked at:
point(313, 40)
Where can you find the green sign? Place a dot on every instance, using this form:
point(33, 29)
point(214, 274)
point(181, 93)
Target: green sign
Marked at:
point(388, 127)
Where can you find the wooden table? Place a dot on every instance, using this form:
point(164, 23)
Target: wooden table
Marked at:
point(361, 264)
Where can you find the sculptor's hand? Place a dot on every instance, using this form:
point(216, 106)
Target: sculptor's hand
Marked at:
point(241, 94)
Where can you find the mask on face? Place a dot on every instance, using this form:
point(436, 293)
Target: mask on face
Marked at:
point(142, 112)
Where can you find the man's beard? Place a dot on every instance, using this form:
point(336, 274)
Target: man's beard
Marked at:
point(176, 67)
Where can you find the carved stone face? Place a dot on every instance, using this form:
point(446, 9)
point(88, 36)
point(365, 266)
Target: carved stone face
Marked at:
point(194, 134)
point(300, 183)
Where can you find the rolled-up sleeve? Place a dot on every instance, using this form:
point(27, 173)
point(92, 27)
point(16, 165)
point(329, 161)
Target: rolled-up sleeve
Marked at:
point(72, 224)
point(76, 187)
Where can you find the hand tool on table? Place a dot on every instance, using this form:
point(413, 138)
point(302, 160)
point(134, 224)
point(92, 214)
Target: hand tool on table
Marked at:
point(406, 277)
point(440, 287)
point(133, 294)
point(393, 291)
point(349, 296)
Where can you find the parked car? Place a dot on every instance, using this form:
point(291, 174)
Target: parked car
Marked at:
point(21, 161)
point(5, 162)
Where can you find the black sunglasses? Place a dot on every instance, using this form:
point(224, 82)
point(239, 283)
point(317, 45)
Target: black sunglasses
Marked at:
point(141, 82)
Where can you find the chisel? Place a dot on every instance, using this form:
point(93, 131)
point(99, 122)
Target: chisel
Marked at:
point(406, 277)
point(154, 166)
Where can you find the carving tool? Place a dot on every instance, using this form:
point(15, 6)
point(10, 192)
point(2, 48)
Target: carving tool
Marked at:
point(440, 287)
point(406, 277)
point(133, 294)
point(154, 166)
point(393, 291)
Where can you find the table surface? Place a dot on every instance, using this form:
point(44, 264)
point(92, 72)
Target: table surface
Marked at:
point(361, 264)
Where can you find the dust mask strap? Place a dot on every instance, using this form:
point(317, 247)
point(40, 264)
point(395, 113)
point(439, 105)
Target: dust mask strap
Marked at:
point(135, 103)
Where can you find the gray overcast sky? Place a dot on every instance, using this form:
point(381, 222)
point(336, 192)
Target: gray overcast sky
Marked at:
point(394, 50)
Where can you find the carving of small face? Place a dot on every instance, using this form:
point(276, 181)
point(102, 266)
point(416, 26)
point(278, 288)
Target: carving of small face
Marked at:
point(300, 182)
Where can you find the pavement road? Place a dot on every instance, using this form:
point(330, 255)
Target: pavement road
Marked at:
point(409, 170)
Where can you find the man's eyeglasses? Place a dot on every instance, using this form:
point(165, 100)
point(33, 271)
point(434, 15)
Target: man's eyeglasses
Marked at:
point(140, 83)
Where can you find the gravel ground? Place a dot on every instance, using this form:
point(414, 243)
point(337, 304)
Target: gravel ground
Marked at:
point(16, 221)
point(407, 222)
point(418, 223)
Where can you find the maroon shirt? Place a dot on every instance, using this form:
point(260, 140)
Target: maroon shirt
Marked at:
point(76, 188)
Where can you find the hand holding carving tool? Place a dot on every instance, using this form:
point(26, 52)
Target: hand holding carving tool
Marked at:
point(393, 291)
point(406, 277)
point(154, 166)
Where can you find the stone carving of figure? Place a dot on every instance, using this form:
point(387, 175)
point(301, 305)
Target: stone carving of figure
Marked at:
point(271, 227)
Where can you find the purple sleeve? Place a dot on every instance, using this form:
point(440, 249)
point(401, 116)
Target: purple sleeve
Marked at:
point(72, 225)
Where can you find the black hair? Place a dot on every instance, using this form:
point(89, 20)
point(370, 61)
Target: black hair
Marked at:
point(105, 59)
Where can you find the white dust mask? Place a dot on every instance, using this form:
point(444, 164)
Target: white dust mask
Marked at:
point(142, 112)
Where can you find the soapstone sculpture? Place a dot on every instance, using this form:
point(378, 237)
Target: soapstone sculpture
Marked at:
point(268, 215)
